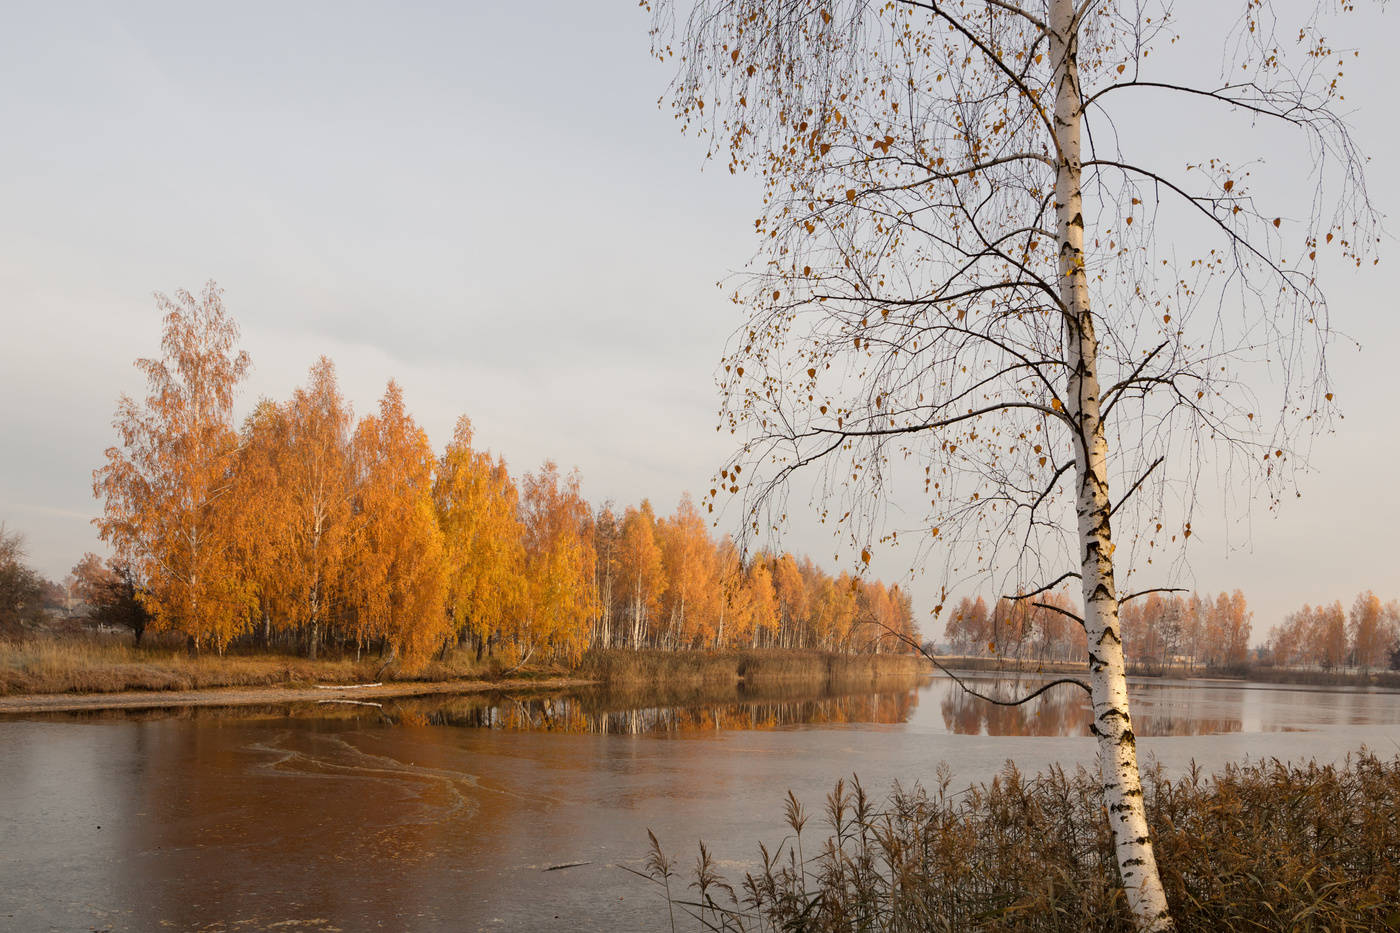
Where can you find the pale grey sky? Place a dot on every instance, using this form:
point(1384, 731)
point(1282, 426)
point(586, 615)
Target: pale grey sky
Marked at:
point(484, 202)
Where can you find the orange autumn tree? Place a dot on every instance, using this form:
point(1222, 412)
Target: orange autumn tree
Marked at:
point(560, 562)
point(794, 608)
point(294, 495)
point(1370, 639)
point(735, 617)
point(478, 511)
point(317, 479)
point(264, 544)
point(762, 604)
point(690, 601)
point(607, 532)
point(397, 577)
point(167, 512)
point(639, 570)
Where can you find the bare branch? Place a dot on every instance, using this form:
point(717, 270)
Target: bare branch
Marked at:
point(1155, 589)
point(1047, 587)
point(1155, 464)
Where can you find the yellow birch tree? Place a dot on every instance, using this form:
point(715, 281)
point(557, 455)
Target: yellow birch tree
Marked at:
point(478, 511)
point(398, 579)
point(165, 487)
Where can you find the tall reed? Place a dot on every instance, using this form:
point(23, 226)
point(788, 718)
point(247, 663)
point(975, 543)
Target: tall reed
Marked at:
point(1260, 846)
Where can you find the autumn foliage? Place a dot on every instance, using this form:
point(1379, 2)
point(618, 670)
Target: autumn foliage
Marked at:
point(304, 527)
point(1159, 629)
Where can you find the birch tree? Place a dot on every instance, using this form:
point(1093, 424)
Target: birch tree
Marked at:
point(478, 509)
point(973, 289)
point(397, 578)
point(560, 564)
point(167, 509)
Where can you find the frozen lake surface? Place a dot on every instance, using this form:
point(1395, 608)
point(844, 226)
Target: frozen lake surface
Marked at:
point(446, 813)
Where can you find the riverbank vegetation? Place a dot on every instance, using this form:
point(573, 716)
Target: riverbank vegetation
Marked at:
point(1260, 846)
point(304, 529)
point(106, 665)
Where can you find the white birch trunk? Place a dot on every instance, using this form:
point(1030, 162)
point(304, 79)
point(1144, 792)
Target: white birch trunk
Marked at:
point(1118, 764)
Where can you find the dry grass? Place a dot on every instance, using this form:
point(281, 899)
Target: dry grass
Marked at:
point(78, 664)
point(104, 665)
point(1261, 846)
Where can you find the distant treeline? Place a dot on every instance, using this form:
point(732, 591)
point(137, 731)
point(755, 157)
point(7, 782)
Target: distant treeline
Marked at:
point(1330, 637)
point(1185, 631)
point(305, 527)
point(1157, 629)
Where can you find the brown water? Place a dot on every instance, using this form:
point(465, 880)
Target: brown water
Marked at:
point(451, 813)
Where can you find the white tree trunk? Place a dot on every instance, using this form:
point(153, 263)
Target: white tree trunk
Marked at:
point(1118, 764)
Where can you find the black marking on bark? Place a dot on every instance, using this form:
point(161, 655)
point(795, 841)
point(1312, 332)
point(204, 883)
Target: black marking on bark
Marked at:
point(1077, 221)
point(1134, 861)
point(1128, 739)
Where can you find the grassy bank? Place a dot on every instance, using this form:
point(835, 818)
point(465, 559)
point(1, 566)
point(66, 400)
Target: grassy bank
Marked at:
point(1261, 846)
point(91, 665)
point(104, 665)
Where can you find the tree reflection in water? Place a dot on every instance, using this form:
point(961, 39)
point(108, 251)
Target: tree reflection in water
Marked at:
point(1162, 709)
point(1063, 711)
point(613, 713)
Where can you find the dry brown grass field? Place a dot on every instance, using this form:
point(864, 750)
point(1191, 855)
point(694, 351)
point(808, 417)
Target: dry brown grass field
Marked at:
point(106, 665)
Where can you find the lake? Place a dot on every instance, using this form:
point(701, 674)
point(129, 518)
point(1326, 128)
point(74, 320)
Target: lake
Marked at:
point(454, 813)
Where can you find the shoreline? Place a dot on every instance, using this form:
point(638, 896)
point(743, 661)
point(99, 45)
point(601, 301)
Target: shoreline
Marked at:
point(19, 704)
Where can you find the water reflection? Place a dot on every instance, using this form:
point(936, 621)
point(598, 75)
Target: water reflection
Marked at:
point(1066, 711)
point(1160, 708)
point(611, 713)
point(1060, 711)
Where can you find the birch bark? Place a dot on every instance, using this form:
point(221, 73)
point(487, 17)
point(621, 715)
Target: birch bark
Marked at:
point(1112, 725)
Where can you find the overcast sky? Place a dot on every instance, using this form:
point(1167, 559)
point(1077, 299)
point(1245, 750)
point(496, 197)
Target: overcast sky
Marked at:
point(485, 203)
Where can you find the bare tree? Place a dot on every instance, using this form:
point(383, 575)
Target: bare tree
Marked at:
point(973, 286)
point(21, 588)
